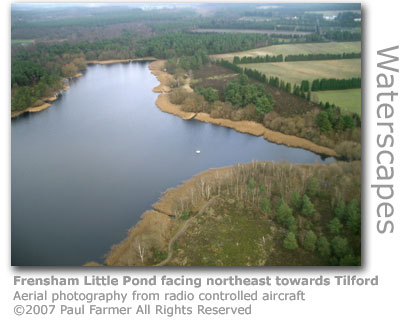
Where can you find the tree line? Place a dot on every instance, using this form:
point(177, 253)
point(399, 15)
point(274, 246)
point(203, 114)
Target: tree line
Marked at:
point(65, 59)
point(295, 57)
point(240, 93)
point(321, 56)
point(258, 59)
point(335, 84)
point(342, 35)
point(327, 120)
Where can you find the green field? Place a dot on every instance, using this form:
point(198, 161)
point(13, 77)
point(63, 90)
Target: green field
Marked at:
point(296, 48)
point(21, 41)
point(295, 72)
point(327, 13)
point(347, 99)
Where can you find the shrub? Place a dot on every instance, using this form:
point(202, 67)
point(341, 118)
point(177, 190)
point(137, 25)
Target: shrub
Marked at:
point(349, 150)
point(310, 240)
point(290, 241)
point(335, 226)
point(308, 209)
point(323, 247)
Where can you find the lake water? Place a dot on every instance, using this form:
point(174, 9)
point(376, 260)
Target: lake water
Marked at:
point(84, 170)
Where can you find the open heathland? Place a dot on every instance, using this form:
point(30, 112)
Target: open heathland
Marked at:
point(298, 48)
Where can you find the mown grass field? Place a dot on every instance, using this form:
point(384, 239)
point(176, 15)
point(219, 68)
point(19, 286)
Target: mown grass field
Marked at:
point(296, 48)
point(295, 72)
point(347, 99)
point(21, 41)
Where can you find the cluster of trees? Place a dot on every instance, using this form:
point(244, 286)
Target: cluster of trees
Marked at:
point(332, 119)
point(194, 62)
point(241, 93)
point(338, 35)
point(321, 56)
point(335, 84)
point(31, 81)
point(258, 59)
point(25, 73)
point(229, 65)
point(299, 219)
point(211, 95)
point(25, 96)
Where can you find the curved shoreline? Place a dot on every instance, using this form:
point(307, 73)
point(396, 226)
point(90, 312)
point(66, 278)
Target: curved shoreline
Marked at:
point(249, 127)
point(157, 222)
point(47, 100)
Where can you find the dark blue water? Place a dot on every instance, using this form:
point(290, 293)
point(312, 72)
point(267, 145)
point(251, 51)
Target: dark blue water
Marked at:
point(84, 170)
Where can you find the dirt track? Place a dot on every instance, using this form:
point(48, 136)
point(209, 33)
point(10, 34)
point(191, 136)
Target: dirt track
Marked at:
point(181, 231)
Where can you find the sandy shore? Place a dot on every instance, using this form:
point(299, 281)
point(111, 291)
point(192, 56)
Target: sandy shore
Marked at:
point(31, 109)
point(249, 127)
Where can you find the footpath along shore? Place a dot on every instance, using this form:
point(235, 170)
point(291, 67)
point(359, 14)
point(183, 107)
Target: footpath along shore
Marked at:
point(250, 127)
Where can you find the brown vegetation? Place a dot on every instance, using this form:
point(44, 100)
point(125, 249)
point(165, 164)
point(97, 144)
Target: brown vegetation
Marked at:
point(192, 105)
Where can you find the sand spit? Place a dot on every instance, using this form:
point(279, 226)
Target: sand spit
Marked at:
point(163, 103)
point(163, 77)
point(39, 108)
point(158, 224)
point(50, 99)
point(31, 109)
point(249, 127)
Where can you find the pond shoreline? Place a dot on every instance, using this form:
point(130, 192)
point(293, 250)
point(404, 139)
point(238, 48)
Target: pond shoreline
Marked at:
point(249, 127)
point(159, 221)
point(47, 100)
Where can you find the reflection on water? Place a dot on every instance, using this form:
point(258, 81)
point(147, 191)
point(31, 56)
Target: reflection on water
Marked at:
point(84, 170)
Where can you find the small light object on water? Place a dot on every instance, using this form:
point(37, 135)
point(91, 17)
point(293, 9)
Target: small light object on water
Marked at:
point(197, 151)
